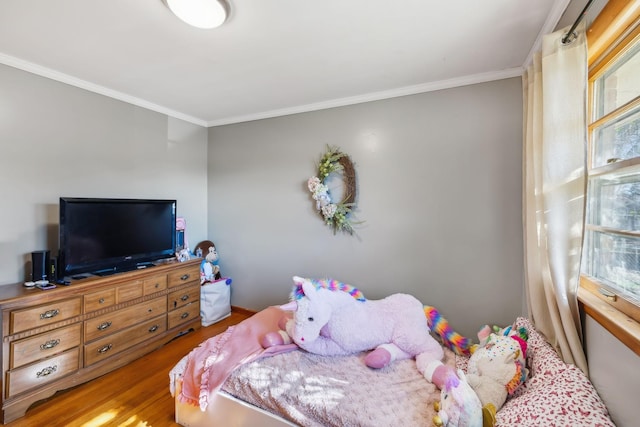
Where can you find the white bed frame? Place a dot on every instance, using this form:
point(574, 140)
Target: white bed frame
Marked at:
point(225, 410)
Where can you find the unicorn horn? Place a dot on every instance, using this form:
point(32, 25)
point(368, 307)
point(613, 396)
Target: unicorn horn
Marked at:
point(290, 306)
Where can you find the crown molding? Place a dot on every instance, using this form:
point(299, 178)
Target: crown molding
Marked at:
point(91, 87)
point(375, 96)
point(340, 102)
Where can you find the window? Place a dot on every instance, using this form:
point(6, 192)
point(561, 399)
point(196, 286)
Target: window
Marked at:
point(611, 254)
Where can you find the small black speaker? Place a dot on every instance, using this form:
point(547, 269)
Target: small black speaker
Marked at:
point(53, 269)
point(40, 265)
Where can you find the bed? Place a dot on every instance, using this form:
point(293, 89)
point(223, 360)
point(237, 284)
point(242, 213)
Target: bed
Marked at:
point(230, 380)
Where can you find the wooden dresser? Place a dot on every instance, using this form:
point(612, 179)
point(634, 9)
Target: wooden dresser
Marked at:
point(59, 338)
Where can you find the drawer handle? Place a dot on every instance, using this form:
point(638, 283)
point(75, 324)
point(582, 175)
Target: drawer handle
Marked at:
point(157, 285)
point(184, 297)
point(185, 277)
point(153, 328)
point(50, 314)
point(101, 301)
point(184, 315)
point(104, 349)
point(47, 371)
point(49, 344)
point(103, 326)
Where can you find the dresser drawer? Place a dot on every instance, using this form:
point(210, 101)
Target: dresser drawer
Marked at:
point(99, 300)
point(182, 297)
point(183, 275)
point(43, 315)
point(106, 347)
point(44, 345)
point(129, 292)
point(184, 314)
point(43, 372)
point(110, 323)
point(154, 284)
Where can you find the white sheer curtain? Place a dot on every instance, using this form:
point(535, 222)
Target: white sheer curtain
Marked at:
point(555, 90)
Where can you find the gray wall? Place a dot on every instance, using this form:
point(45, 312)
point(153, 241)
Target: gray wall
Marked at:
point(440, 190)
point(58, 140)
point(615, 377)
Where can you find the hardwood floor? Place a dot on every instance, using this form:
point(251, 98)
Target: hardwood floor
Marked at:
point(136, 395)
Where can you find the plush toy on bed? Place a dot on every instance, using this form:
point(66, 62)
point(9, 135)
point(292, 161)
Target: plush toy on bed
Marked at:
point(497, 367)
point(335, 322)
point(458, 405)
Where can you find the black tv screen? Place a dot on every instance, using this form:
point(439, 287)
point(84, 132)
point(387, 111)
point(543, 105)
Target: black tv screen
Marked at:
point(103, 236)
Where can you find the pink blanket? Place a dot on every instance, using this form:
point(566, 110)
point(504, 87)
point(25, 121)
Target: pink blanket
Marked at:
point(209, 364)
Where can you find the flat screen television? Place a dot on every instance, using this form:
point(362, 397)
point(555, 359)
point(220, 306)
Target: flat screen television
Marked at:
point(104, 236)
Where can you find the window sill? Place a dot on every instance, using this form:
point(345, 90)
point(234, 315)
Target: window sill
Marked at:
point(623, 327)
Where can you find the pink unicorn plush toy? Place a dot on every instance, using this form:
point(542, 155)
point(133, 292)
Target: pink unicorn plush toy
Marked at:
point(333, 323)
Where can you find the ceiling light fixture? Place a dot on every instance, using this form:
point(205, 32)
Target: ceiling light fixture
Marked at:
point(200, 13)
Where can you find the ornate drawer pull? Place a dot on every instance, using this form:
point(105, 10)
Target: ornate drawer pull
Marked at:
point(184, 315)
point(185, 277)
point(104, 349)
point(153, 328)
point(50, 314)
point(49, 344)
point(103, 326)
point(47, 371)
point(101, 301)
point(184, 297)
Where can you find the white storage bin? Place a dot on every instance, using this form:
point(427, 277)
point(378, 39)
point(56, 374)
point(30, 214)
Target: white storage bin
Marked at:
point(215, 301)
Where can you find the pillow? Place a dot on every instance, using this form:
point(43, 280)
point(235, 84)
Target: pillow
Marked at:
point(556, 399)
point(555, 394)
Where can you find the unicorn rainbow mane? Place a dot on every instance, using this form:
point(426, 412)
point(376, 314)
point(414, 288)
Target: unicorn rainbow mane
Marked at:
point(330, 284)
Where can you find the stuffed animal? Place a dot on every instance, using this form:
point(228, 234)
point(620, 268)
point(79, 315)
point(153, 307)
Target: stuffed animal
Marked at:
point(333, 323)
point(183, 255)
point(209, 269)
point(459, 405)
point(437, 323)
point(497, 367)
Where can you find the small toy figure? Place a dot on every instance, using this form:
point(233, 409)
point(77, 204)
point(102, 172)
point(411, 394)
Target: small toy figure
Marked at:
point(459, 405)
point(183, 255)
point(209, 268)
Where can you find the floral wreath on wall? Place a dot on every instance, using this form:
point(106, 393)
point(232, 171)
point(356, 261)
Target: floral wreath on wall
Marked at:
point(335, 215)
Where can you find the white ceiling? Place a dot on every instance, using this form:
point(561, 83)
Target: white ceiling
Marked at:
point(272, 57)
